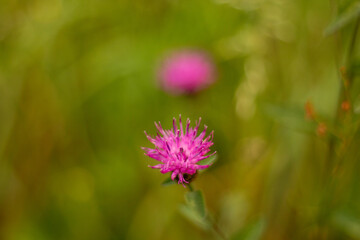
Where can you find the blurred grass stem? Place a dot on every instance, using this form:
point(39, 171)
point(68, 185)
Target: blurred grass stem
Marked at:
point(339, 112)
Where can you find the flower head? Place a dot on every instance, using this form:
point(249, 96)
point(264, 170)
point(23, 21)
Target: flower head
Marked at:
point(187, 71)
point(180, 149)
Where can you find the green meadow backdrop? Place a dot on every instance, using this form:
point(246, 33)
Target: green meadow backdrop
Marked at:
point(78, 88)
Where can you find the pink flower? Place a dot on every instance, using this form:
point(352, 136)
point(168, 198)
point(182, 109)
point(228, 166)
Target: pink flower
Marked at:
point(187, 71)
point(179, 150)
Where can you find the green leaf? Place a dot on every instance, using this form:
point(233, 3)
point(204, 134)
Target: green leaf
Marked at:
point(209, 160)
point(195, 210)
point(168, 182)
point(253, 231)
point(194, 217)
point(344, 19)
point(195, 201)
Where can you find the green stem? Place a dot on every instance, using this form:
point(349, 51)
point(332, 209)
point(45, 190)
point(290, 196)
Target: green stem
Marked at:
point(214, 226)
point(190, 187)
point(218, 231)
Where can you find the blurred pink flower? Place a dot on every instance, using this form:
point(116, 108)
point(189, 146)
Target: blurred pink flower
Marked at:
point(187, 71)
point(179, 150)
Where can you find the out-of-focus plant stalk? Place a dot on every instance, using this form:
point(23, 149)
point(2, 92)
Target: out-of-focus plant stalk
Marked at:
point(351, 50)
point(338, 147)
point(344, 95)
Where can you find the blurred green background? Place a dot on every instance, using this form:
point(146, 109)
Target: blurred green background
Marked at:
point(78, 88)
